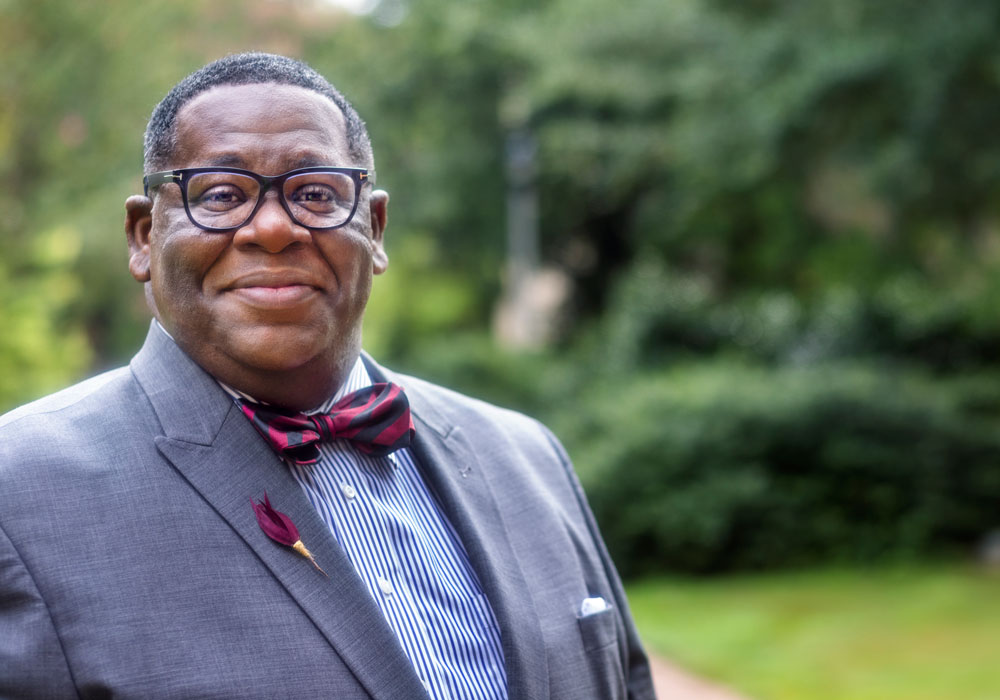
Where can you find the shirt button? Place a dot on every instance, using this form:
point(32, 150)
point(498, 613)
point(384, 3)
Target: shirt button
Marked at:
point(385, 585)
point(348, 491)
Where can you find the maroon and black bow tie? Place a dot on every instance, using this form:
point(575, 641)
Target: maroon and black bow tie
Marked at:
point(375, 419)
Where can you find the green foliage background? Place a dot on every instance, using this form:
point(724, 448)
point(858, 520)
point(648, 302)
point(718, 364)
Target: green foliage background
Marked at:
point(779, 221)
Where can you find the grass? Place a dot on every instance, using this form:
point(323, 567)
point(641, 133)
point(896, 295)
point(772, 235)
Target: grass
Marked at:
point(910, 633)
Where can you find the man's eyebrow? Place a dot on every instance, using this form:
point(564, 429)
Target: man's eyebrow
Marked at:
point(309, 161)
point(235, 160)
point(228, 160)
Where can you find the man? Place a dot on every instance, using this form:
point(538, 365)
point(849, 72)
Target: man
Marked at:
point(147, 515)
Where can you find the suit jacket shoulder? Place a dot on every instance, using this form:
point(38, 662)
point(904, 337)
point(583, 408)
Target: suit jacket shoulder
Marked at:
point(93, 388)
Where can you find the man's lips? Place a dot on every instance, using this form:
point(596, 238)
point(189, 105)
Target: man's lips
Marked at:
point(285, 295)
point(273, 289)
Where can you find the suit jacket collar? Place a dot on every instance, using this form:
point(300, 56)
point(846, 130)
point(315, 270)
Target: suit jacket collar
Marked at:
point(209, 441)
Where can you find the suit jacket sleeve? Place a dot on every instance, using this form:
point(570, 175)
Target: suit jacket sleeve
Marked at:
point(32, 664)
point(638, 674)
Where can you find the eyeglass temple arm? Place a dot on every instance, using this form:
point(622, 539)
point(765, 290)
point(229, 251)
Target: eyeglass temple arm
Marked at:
point(156, 179)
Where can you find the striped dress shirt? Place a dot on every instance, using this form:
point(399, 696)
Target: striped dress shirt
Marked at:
point(410, 558)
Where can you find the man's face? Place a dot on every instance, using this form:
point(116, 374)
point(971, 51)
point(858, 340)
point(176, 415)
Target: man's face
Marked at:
point(273, 309)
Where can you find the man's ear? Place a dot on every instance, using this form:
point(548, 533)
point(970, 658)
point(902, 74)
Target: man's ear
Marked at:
point(138, 224)
point(379, 204)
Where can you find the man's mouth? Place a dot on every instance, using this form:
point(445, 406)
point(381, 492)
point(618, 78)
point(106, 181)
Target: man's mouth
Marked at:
point(277, 289)
point(282, 295)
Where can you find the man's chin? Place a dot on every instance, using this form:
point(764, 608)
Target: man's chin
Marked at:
point(279, 355)
point(285, 349)
point(255, 352)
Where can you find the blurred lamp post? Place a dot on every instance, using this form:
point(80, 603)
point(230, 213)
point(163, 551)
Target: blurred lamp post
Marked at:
point(519, 322)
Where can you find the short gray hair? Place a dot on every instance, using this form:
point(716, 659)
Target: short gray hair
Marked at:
point(245, 69)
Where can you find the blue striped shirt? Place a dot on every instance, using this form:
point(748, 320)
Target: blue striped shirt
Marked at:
point(411, 560)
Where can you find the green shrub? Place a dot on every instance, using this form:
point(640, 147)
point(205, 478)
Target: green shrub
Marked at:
point(718, 466)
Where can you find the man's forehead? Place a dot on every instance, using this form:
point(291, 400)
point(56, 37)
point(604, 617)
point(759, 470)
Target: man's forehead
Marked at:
point(235, 102)
point(232, 124)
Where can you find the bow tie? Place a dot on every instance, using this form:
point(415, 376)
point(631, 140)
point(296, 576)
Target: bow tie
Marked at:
point(375, 419)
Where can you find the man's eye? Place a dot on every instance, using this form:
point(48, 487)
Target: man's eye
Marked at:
point(313, 193)
point(221, 197)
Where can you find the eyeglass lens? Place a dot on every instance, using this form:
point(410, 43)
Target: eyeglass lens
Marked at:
point(226, 200)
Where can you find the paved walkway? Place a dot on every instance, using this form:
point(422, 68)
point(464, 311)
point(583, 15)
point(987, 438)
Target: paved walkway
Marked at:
point(673, 683)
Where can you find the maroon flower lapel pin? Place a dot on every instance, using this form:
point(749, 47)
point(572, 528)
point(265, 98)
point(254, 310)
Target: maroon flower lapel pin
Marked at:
point(280, 528)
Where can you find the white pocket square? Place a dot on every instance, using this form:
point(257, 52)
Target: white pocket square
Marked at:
point(592, 606)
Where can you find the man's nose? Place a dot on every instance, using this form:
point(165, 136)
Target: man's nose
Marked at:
point(271, 228)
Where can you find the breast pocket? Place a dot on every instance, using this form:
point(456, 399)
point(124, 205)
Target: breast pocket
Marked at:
point(598, 630)
point(604, 671)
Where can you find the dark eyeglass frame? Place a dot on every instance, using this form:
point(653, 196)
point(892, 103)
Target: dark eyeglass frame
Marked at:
point(182, 176)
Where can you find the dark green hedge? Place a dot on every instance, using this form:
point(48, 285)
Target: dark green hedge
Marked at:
point(714, 467)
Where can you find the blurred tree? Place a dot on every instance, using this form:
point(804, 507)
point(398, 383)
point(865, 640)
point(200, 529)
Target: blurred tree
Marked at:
point(767, 145)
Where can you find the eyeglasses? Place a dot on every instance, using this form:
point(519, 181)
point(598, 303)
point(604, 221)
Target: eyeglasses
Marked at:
point(225, 199)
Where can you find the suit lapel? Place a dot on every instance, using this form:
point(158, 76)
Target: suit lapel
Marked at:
point(460, 482)
point(218, 452)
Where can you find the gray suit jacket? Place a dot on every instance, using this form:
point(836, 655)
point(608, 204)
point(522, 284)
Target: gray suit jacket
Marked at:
point(131, 564)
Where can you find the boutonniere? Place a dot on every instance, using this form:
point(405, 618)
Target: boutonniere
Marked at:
point(280, 528)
